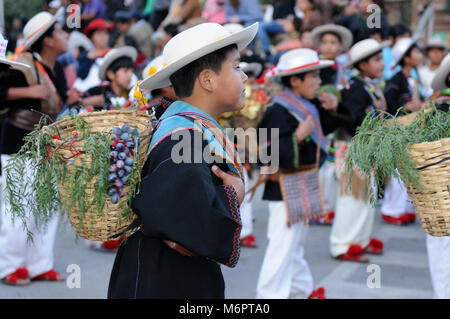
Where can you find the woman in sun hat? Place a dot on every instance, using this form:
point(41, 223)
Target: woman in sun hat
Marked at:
point(302, 121)
point(189, 210)
point(352, 227)
point(435, 50)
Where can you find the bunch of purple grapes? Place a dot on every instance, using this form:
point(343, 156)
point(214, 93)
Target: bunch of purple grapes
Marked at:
point(121, 156)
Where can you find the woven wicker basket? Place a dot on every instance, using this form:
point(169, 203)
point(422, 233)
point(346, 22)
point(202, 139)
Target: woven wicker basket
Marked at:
point(433, 202)
point(112, 223)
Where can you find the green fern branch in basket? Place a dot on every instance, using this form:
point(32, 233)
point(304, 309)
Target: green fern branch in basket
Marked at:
point(381, 146)
point(37, 194)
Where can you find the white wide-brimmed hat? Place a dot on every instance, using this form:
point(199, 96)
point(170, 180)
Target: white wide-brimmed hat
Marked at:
point(112, 56)
point(345, 34)
point(38, 25)
point(253, 67)
point(193, 44)
point(365, 48)
point(300, 61)
point(78, 39)
point(400, 48)
point(154, 66)
point(3, 59)
point(436, 42)
point(439, 82)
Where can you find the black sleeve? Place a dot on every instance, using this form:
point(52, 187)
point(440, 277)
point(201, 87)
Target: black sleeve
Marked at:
point(276, 117)
point(180, 202)
point(15, 79)
point(356, 101)
point(395, 94)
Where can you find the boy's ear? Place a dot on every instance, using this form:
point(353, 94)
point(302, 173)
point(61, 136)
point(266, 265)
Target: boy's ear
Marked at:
point(206, 79)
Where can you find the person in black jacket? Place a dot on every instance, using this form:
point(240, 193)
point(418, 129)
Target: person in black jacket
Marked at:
point(403, 90)
point(284, 272)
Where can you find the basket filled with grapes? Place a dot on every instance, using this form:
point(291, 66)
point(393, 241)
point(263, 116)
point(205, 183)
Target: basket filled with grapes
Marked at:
point(89, 166)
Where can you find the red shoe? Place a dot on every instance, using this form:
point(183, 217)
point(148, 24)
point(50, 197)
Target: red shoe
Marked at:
point(17, 278)
point(249, 241)
point(402, 220)
point(375, 247)
point(411, 217)
point(354, 253)
point(319, 293)
point(112, 245)
point(50, 275)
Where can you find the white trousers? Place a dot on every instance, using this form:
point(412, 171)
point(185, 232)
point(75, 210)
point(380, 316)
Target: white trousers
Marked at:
point(15, 250)
point(329, 185)
point(396, 201)
point(246, 210)
point(284, 272)
point(439, 260)
point(352, 224)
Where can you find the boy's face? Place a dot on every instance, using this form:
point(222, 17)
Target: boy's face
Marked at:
point(122, 77)
point(374, 67)
point(436, 55)
point(415, 58)
point(58, 41)
point(230, 83)
point(309, 86)
point(330, 46)
point(100, 38)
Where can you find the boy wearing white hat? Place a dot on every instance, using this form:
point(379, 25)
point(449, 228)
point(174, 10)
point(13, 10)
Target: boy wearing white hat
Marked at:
point(331, 40)
point(40, 86)
point(401, 90)
point(438, 248)
point(302, 121)
point(189, 209)
point(435, 51)
point(352, 226)
point(116, 72)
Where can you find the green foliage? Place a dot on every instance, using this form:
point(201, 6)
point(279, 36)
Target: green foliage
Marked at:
point(16, 8)
point(381, 146)
point(37, 195)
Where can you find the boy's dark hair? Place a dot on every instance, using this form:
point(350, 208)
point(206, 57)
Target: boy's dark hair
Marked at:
point(183, 80)
point(365, 60)
point(398, 30)
point(407, 54)
point(37, 46)
point(124, 62)
point(333, 33)
point(286, 80)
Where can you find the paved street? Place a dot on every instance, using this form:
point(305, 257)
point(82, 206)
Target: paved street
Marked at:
point(404, 265)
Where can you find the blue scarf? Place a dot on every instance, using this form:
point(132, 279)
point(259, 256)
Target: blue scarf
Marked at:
point(286, 99)
point(180, 116)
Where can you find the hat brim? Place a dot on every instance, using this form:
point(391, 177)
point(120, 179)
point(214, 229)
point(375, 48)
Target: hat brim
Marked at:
point(439, 82)
point(14, 63)
point(322, 64)
point(253, 67)
point(109, 59)
point(396, 62)
point(373, 51)
point(36, 36)
point(345, 34)
point(162, 78)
